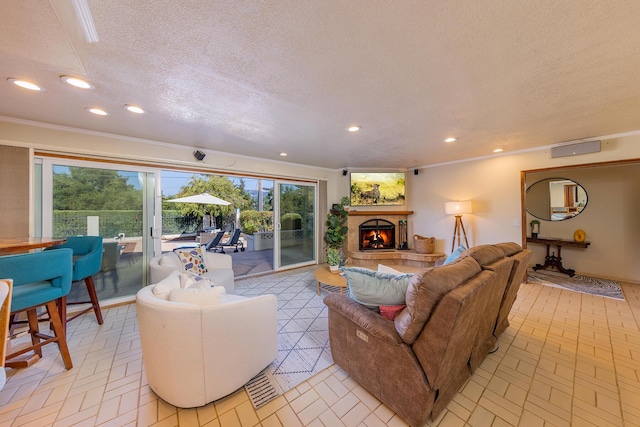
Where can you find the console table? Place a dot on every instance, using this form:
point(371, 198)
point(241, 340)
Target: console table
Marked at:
point(552, 260)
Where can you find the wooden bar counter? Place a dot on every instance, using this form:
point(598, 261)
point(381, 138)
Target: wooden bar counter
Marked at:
point(16, 245)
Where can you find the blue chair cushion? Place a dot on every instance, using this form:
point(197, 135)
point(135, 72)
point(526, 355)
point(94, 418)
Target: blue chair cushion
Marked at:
point(38, 277)
point(33, 295)
point(87, 255)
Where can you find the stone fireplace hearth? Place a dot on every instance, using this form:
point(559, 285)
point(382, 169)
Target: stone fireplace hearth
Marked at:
point(390, 255)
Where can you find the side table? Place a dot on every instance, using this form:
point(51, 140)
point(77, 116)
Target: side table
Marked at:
point(325, 277)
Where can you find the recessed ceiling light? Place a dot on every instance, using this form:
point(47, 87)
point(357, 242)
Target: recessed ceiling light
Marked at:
point(97, 111)
point(25, 84)
point(283, 154)
point(75, 81)
point(133, 109)
point(451, 139)
point(498, 150)
point(354, 128)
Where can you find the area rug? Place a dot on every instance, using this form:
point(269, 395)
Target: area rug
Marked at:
point(584, 284)
point(303, 335)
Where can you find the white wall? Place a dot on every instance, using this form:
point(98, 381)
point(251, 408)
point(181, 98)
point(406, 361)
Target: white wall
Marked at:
point(493, 184)
point(74, 142)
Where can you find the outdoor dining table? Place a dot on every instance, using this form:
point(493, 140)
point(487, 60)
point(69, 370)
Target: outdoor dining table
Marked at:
point(16, 245)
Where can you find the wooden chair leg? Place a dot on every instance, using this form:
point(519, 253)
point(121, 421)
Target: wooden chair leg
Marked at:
point(34, 329)
point(59, 333)
point(62, 312)
point(94, 298)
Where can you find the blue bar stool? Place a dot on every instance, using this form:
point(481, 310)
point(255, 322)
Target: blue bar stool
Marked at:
point(39, 279)
point(87, 261)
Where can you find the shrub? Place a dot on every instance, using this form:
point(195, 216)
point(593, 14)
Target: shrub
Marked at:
point(291, 221)
point(255, 221)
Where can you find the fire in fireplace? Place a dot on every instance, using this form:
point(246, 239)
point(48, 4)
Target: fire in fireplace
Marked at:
point(377, 234)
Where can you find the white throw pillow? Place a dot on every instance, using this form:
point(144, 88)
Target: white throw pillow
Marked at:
point(198, 296)
point(386, 269)
point(163, 287)
point(170, 260)
point(189, 280)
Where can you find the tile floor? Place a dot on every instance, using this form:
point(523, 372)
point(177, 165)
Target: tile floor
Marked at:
point(567, 359)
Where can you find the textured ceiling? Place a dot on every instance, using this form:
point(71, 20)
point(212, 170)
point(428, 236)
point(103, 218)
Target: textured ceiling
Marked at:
point(263, 77)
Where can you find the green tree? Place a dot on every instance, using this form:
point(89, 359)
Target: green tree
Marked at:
point(218, 186)
point(94, 189)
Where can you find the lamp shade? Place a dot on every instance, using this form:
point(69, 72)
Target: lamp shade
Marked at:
point(458, 208)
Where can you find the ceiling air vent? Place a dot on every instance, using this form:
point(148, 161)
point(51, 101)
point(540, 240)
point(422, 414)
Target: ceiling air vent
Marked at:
point(575, 149)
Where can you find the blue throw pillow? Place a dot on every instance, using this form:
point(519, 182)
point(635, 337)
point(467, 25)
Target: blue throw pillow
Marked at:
point(455, 255)
point(373, 289)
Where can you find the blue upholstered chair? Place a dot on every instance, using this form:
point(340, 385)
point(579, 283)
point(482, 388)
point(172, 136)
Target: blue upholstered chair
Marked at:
point(87, 260)
point(39, 279)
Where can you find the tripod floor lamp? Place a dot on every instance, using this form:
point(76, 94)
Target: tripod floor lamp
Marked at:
point(458, 209)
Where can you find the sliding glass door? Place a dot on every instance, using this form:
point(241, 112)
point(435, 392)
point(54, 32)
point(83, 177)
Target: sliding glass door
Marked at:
point(295, 226)
point(94, 199)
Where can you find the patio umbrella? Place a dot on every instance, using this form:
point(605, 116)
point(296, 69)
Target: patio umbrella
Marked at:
point(203, 198)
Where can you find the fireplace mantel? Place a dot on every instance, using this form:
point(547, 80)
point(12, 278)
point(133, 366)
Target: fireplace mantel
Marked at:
point(379, 213)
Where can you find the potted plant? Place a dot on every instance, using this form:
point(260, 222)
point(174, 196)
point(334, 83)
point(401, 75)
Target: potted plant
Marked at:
point(334, 258)
point(336, 231)
point(535, 228)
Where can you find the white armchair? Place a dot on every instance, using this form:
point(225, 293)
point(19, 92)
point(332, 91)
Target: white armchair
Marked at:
point(196, 354)
point(219, 268)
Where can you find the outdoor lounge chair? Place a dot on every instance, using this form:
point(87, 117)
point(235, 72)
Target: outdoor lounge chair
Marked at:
point(213, 243)
point(233, 241)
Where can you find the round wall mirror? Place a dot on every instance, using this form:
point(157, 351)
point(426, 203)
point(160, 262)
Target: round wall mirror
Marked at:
point(555, 199)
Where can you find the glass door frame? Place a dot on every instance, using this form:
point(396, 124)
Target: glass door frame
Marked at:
point(277, 261)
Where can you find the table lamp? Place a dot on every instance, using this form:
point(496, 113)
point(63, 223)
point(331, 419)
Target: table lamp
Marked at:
point(458, 209)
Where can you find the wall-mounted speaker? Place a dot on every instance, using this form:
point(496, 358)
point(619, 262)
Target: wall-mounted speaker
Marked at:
point(575, 149)
point(416, 171)
point(344, 172)
point(199, 155)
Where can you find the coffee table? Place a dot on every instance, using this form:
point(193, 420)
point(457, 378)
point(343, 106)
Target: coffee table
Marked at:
point(325, 277)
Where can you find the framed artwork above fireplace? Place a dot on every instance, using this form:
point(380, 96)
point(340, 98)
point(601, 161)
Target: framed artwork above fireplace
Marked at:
point(377, 188)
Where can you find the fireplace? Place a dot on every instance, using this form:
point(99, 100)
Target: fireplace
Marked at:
point(377, 234)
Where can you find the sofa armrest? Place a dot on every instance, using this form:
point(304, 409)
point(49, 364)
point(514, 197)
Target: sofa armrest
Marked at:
point(367, 319)
point(215, 261)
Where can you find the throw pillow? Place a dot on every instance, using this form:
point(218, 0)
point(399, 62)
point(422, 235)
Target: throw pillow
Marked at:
point(170, 260)
point(455, 254)
point(386, 269)
point(373, 289)
point(164, 287)
point(391, 311)
point(198, 296)
point(192, 260)
point(189, 281)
